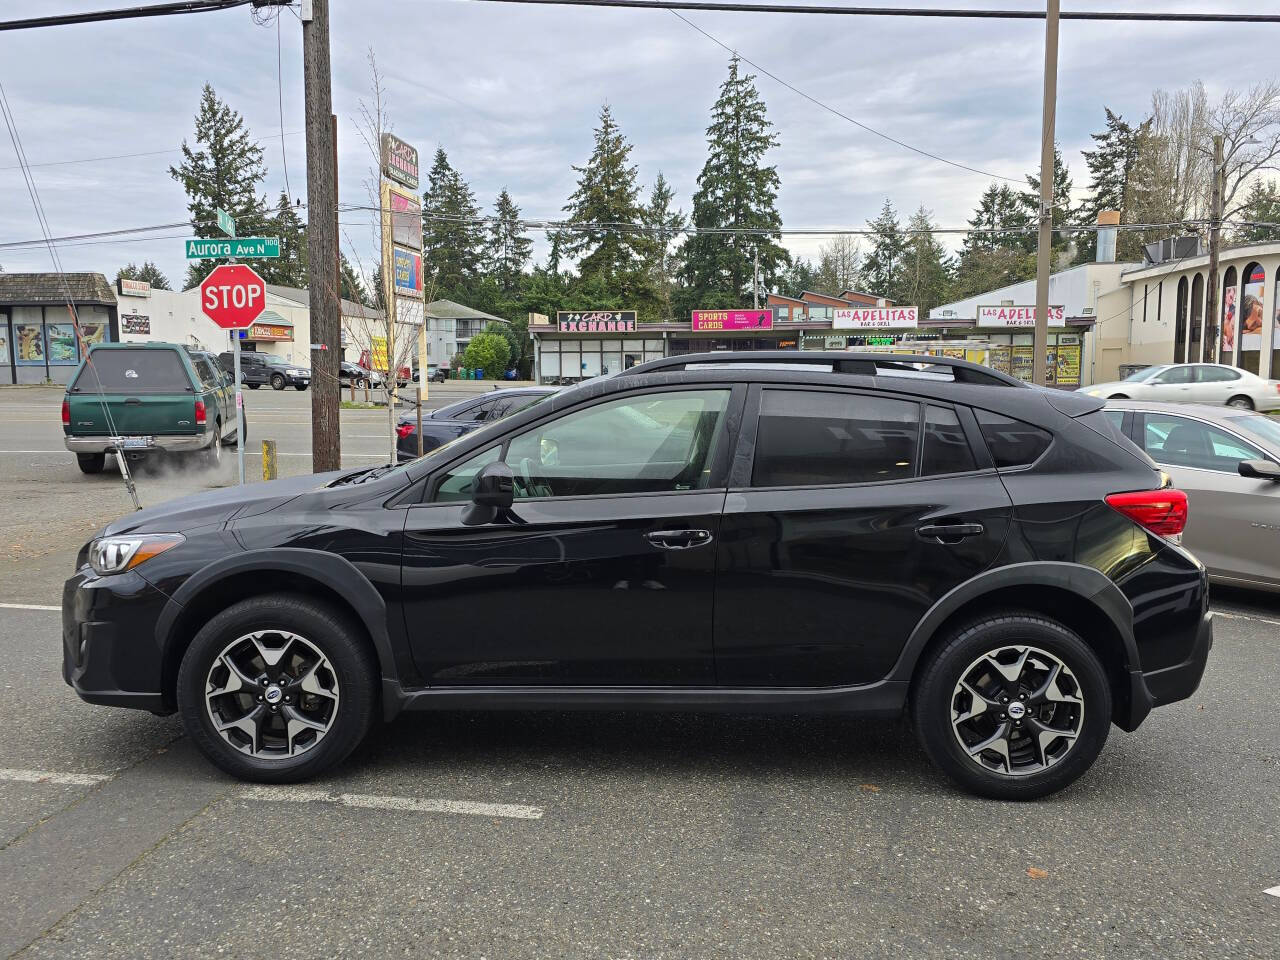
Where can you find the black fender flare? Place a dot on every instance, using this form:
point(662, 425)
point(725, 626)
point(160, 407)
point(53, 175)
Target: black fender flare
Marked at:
point(1089, 584)
point(329, 569)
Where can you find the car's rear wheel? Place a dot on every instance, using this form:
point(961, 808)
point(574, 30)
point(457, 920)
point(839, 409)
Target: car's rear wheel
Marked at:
point(253, 386)
point(91, 462)
point(1012, 706)
point(1118, 396)
point(277, 381)
point(1241, 402)
point(277, 688)
point(212, 454)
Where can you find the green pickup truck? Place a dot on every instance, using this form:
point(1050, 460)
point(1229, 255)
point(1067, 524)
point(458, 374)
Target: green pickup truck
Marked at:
point(132, 399)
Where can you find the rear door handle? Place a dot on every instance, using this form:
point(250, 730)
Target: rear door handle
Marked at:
point(678, 539)
point(949, 532)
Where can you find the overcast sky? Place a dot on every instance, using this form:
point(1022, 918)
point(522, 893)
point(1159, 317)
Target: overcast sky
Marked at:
point(512, 94)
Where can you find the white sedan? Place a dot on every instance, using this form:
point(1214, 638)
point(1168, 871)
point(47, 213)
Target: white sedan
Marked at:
point(1193, 383)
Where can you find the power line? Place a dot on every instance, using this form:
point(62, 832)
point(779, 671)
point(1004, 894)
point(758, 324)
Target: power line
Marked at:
point(932, 12)
point(130, 156)
point(134, 13)
point(842, 116)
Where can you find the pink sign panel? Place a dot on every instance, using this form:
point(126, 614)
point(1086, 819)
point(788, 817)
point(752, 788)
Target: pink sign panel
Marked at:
point(712, 320)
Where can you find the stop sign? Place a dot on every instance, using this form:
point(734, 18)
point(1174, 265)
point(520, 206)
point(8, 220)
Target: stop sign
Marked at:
point(233, 296)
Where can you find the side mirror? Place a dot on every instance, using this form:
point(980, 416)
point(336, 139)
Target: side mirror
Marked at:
point(1259, 470)
point(492, 491)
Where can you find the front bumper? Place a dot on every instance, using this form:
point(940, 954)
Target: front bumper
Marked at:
point(185, 444)
point(109, 652)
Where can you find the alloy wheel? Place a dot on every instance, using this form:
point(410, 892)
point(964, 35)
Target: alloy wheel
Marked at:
point(1017, 710)
point(272, 694)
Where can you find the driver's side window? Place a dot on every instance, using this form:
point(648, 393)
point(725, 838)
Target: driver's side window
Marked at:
point(654, 443)
point(1175, 375)
point(457, 483)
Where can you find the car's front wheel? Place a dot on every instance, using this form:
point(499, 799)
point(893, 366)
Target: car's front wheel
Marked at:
point(1012, 706)
point(277, 381)
point(277, 688)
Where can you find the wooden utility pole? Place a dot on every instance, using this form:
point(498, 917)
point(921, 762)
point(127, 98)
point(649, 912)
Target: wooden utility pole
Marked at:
point(1044, 250)
point(322, 240)
point(1211, 324)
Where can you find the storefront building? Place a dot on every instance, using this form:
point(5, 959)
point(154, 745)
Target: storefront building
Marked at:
point(38, 341)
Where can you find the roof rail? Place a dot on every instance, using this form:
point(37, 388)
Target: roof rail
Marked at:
point(842, 361)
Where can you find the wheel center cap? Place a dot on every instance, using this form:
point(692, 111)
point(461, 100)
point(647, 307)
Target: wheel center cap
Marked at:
point(274, 694)
point(1017, 710)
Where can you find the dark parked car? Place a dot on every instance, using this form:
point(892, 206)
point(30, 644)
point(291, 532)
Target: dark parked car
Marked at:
point(776, 531)
point(259, 368)
point(452, 421)
point(352, 373)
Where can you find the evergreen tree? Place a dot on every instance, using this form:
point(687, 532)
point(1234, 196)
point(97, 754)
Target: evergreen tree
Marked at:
point(735, 190)
point(148, 272)
point(1261, 207)
point(882, 267)
point(222, 172)
point(991, 256)
point(453, 238)
point(661, 259)
point(509, 249)
point(351, 285)
point(1063, 212)
point(926, 266)
point(802, 275)
point(290, 268)
point(1111, 164)
point(607, 194)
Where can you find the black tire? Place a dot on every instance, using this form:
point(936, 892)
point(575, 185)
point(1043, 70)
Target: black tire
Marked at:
point(937, 692)
point(91, 462)
point(1241, 402)
point(299, 386)
point(277, 381)
point(322, 627)
point(253, 386)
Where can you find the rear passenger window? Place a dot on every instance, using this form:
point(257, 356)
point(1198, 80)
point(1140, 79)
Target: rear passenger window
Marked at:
point(1012, 443)
point(813, 438)
point(946, 449)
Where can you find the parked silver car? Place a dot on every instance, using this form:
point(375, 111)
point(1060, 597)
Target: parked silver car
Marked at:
point(1214, 383)
point(1228, 462)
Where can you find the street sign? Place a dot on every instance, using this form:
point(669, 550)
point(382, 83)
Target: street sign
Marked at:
point(233, 296)
point(226, 222)
point(243, 247)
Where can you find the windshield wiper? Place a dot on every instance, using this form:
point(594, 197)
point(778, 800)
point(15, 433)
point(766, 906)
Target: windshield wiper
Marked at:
point(374, 473)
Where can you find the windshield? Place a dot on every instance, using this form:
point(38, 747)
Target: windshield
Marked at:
point(1138, 376)
point(1261, 426)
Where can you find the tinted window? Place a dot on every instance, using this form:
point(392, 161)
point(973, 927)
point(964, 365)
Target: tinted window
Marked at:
point(1012, 443)
point(946, 449)
point(456, 484)
point(205, 372)
point(458, 410)
point(1176, 375)
point(1218, 374)
point(658, 442)
point(1114, 417)
point(810, 438)
point(1180, 442)
point(134, 372)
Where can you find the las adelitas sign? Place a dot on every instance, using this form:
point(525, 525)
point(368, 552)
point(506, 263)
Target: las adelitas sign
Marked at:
point(1018, 316)
point(875, 318)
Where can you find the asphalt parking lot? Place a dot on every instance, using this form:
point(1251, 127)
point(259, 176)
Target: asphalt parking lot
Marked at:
point(597, 835)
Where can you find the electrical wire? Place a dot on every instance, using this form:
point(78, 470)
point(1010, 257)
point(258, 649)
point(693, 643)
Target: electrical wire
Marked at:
point(284, 154)
point(132, 13)
point(130, 156)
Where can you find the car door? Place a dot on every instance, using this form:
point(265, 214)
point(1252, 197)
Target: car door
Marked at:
point(1229, 521)
point(1217, 384)
point(602, 571)
point(1171, 386)
point(845, 521)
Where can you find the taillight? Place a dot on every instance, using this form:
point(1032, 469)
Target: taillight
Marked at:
point(404, 429)
point(201, 417)
point(66, 413)
point(1163, 512)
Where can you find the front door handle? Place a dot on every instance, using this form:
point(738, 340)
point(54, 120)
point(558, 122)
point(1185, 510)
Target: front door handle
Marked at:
point(949, 532)
point(678, 539)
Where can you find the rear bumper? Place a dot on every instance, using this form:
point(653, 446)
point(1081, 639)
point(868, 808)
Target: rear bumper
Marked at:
point(167, 444)
point(1181, 680)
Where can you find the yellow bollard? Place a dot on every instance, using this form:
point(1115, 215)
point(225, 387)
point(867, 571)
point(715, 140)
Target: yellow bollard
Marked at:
point(268, 459)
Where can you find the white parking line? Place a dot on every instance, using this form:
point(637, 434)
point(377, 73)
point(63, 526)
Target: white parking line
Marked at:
point(52, 776)
point(28, 606)
point(1245, 616)
point(1274, 891)
point(401, 804)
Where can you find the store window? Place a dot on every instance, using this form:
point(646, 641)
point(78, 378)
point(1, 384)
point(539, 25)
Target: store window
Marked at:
point(1180, 323)
point(1275, 334)
point(28, 336)
point(1195, 349)
point(1250, 333)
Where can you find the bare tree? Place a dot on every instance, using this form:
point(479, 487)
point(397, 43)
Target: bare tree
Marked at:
point(1249, 124)
point(839, 261)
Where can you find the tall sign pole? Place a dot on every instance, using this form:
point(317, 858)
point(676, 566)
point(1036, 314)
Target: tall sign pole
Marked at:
point(1044, 250)
point(1211, 324)
point(322, 239)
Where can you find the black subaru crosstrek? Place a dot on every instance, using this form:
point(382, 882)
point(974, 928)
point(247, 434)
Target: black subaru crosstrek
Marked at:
point(783, 532)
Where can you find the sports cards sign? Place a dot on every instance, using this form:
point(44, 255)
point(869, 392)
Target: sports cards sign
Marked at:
point(875, 318)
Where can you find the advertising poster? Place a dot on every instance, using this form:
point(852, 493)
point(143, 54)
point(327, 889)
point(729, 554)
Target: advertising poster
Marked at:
point(62, 343)
point(132, 323)
point(95, 332)
point(406, 219)
point(1251, 311)
point(1022, 364)
point(1275, 335)
point(1000, 357)
point(28, 342)
point(4, 345)
point(1067, 365)
point(407, 273)
point(1228, 323)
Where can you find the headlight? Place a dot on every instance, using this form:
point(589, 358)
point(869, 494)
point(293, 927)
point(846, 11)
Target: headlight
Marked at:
point(293, 373)
point(109, 555)
point(1094, 393)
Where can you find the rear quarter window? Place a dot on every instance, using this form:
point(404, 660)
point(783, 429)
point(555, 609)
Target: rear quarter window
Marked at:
point(133, 372)
point(1012, 443)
